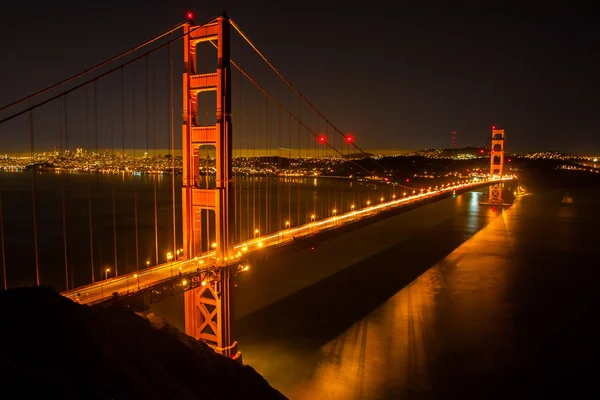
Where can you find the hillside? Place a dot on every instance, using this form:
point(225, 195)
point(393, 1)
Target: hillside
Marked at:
point(54, 348)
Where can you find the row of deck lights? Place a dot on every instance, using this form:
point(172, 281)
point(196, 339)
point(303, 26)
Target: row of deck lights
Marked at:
point(179, 252)
point(368, 203)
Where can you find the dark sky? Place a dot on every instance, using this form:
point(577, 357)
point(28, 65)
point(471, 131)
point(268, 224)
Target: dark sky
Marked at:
point(400, 77)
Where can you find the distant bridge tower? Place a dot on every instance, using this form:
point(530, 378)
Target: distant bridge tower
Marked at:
point(453, 140)
point(496, 167)
point(208, 305)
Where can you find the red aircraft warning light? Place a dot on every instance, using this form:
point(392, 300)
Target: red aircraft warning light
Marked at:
point(349, 139)
point(190, 16)
point(321, 139)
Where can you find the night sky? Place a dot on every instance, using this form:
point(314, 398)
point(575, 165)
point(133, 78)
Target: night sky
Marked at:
point(398, 77)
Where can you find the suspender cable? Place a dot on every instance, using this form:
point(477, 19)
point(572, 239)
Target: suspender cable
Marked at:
point(60, 127)
point(64, 229)
point(122, 111)
point(255, 168)
point(172, 120)
point(87, 136)
point(153, 94)
point(258, 160)
point(137, 253)
point(146, 106)
point(237, 176)
point(97, 155)
point(299, 158)
point(154, 177)
point(308, 153)
point(318, 158)
point(122, 152)
point(66, 124)
point(87, 133)
point(232, 177)
point(278, 177)
point(35, 236)
point(65, 194)
point(239, 160)
point(91, 231)
point(251, 184)
point(249, 126)
point(111, 126)
point(112, 155)
point(267, 154)
point(62, 199)
point(254, 164)
point(114, 221)
point(135, 209)
point(289, 166)
point(96, 115)
point(4, 284)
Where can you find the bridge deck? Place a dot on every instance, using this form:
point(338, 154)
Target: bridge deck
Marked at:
point(132, 282)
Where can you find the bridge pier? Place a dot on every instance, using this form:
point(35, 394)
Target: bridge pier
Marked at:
point(208, 312)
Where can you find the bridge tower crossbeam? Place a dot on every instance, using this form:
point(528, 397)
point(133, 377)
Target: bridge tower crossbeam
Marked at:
point(208, 307)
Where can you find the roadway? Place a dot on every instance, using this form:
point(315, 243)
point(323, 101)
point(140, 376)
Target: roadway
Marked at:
point(132, 282)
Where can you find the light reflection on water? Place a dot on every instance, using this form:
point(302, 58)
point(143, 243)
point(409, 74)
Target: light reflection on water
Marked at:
point(498, 316)
point(391, 351)
point(391, 348)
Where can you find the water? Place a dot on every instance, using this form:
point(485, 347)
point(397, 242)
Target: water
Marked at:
point(459, 301)
point(260, 203)
point(450, 300)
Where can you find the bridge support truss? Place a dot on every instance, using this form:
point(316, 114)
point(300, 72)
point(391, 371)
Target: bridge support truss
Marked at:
point(208, 306)
point(496, 168)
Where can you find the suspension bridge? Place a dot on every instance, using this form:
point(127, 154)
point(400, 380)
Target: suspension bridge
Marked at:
point(125, 208)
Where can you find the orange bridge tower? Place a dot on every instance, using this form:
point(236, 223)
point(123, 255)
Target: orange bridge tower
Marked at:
point(208, 305)
point(496, 168)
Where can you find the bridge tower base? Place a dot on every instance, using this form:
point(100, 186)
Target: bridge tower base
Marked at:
point(496, 169)
point(208, 302)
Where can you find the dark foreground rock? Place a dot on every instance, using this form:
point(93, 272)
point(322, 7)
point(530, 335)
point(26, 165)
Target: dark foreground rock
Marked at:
point(54, 348)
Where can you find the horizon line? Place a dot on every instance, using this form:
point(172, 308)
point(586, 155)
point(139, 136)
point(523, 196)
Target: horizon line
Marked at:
point(295, 153)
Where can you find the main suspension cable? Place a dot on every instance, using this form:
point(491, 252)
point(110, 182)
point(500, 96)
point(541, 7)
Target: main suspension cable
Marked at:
point(266, 60)
point(308, 129)
point(102, 64)
point(96, 78)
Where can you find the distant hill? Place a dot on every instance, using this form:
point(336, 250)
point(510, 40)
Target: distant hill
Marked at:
point(449, 152)
point(54, 348)
point(358, 155)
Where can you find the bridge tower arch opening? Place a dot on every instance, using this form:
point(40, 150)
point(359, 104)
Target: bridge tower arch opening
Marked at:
point(208, 305)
